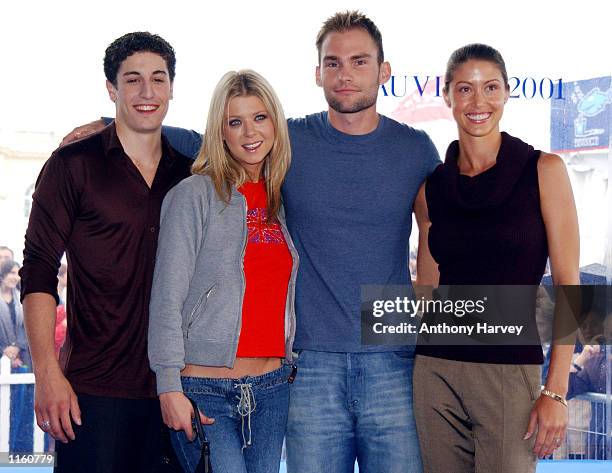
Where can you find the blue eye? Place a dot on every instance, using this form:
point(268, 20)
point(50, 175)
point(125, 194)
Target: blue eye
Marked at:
point(234, 122)
point(260, 117)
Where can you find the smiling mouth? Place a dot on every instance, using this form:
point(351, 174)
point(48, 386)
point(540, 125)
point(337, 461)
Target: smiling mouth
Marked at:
point(146, 109)
point(252, 147)
point(478, 117)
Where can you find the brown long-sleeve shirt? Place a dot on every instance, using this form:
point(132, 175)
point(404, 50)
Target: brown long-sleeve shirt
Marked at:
point(92, 202)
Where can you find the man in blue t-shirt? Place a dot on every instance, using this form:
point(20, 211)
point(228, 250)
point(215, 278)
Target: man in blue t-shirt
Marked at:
point(348, 198)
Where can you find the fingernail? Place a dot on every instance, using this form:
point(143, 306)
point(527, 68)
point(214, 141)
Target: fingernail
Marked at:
point(527, 435)
point(78, 421)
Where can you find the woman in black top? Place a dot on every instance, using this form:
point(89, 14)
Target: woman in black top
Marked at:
point(491, 215)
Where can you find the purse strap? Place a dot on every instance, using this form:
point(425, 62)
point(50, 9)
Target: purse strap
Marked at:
point(204, 465)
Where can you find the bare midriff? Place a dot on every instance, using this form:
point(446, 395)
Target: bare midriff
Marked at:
point(242, 367)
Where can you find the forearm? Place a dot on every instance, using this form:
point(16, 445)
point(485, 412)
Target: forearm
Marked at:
point(39, 314)
point(187, 142)
point(567, 303)
point(558, 373)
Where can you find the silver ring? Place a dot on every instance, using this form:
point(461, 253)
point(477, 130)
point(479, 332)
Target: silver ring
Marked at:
point(45, 424)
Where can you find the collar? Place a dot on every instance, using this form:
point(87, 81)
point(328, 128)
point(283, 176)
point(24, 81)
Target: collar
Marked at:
point(113, 147)
point(512, 157)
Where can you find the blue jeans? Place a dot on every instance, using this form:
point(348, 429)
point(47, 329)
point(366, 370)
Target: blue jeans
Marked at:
point(250, 421)
point(352, 406)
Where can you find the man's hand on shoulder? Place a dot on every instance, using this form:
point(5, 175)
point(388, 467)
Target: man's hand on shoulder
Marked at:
point(83, 131)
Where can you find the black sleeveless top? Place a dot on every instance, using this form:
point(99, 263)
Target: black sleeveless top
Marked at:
point(488, 230)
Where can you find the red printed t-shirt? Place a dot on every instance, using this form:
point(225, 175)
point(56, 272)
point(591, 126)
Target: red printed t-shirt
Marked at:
point(267, 269)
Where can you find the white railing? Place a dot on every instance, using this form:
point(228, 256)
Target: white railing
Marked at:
point(6, 380)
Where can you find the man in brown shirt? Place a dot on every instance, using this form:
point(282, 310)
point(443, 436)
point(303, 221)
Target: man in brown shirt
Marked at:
point(99, 200)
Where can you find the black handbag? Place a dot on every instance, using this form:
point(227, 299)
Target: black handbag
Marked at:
point(204, 465)
point(168, 463)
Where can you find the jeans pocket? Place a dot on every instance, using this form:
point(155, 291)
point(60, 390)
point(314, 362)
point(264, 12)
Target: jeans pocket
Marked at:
point(404, 355)
point(529, 375)
point(187, 451)
point(299, 356)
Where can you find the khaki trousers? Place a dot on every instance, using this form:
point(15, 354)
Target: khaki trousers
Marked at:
point(471, 417)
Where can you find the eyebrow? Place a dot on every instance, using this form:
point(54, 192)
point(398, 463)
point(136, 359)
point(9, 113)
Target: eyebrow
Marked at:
point(470, 82)
point(136, 73)
point(260, 112)
point(352, 58)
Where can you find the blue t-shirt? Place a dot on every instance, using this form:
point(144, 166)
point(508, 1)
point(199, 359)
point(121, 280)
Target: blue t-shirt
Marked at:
point(348, 201)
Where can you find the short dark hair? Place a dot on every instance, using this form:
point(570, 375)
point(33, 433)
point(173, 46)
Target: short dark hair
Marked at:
point(2, 247)
point(348, 20)
point(7, 267)
point(131, 43)
point(477, 51)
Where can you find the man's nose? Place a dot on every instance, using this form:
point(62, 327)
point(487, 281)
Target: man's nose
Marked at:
point(146, 90)
point(345, 74)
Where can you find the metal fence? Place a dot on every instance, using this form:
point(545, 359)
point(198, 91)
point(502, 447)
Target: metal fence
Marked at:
point(7, 379)
point(589, 435)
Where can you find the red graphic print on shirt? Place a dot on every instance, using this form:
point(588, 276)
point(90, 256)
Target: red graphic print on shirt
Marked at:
point(260, 231)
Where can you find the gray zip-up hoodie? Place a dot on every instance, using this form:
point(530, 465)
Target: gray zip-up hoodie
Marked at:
point(198, 283)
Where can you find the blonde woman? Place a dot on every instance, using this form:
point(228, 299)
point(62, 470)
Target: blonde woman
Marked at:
point(221, 318)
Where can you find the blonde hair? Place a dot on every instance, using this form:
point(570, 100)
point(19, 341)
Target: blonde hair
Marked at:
point(214, 158)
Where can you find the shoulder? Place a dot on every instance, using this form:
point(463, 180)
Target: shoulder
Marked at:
point(549, 163)
point(406, 132)
point(314, 120)
point(74, 160)
point(551, 172)
point(188, 199)
point(194, 185)
point(80, 150)
point(192, 191)
point(416, 141)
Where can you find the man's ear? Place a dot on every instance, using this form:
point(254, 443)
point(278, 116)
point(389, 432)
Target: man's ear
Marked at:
point(384, 73)
point(318, 76)
point(112, 91)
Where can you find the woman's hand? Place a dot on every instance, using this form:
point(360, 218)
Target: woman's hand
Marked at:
point(550, 418)
point(13, 353)
point(177, 413)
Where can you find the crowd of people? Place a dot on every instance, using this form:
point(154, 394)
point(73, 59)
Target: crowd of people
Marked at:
point(214, 281)
point(14, 345)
